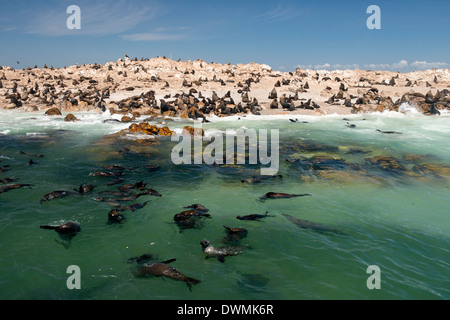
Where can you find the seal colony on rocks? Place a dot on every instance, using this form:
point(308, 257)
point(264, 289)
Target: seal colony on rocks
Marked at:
point(162, 87)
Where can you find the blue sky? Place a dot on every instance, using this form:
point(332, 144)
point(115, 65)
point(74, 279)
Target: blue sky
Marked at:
point(281, 33)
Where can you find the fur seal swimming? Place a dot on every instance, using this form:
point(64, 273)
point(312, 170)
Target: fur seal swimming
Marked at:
point(197, 207)
point(162, 269)
point(5, 168)
point(115, 217)
point(305, 224)
point(139, 186)
point(106, 174)
point(137, 206)
point(389, 132)
point(56, 195)
point(143, 259)
point(83, 189)
point(13, 187)
point(115, 167)
point(254, 217)
point(260, 179)
point(118, 181)
point(189, 219)
point(70, 228)
point(152, 168)
point(32, 155)
point(219, 253)
point(235, 234)
point(7, 180)
point(276, 195)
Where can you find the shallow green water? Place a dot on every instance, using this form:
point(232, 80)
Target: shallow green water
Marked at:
point(398, 221)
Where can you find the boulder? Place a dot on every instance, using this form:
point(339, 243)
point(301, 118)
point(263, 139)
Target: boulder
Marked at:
point(193, 131)
point(146, 128)
point(70, 118)
point(53, 112)
point(126, 119)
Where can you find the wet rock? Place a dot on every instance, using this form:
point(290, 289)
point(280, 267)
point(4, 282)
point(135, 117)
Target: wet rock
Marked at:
point(70, 118)
point(386, 163)
point(53, 112)
point(194, 131)
point(148, 129)
point(126, 119)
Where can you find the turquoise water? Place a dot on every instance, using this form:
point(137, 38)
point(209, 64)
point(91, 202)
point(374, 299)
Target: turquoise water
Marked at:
point(397, 220)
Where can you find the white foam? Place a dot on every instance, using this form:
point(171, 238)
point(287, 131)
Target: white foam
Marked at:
point(35, 134)
point(408, 108)
point(5, 132)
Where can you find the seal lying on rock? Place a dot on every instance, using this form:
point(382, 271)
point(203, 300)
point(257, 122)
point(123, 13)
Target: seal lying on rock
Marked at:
point(220, 253)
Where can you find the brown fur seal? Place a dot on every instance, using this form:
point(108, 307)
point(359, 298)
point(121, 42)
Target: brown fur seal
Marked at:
point(254, 217)
point(83, 189)
point(389, 132)
point(197, 207)
point(162, 269)
point(276, 195)
point(13, 187)
point(70, 228)
point(106, 174)
point(304, 224)
point(189, 219)
point(235, 234)
point(32, 155)
point(56, 195)
point(137, 206)
point(115, 217)
point(7, 180)
point(219, 253)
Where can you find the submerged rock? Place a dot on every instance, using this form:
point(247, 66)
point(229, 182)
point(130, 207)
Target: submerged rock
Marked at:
point(148, 129)
point(387, 163)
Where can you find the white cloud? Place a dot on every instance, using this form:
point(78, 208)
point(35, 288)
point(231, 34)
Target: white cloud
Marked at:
point(421, 65)
point(402, 66)
point(98, 18)
point(280, 13)
point(151, 37)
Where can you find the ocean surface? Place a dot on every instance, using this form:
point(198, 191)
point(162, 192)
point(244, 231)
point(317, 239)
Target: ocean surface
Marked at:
point(392, 214)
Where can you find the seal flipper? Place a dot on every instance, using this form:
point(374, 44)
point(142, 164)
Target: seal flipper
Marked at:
point(48, 227)
point(169, 261)
point(221, 259)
